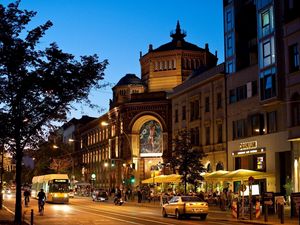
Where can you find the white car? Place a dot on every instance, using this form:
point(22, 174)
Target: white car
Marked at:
point(185, 206)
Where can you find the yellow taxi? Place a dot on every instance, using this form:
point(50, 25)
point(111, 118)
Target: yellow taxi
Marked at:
point(186, 206)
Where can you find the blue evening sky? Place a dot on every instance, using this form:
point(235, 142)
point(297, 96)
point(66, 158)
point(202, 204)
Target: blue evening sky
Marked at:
point(118, 30)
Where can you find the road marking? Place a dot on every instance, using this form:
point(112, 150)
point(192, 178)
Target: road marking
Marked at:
point(113, 218)
point(132, 217)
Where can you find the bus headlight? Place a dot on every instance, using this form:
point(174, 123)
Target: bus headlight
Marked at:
point(65, 195)
point(55, 195)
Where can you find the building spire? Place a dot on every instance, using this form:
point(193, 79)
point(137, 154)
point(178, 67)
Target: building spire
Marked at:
point(178, 35)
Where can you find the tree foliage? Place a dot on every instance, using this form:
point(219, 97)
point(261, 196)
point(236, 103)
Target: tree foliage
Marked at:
point(37, 86)
point(186, 159)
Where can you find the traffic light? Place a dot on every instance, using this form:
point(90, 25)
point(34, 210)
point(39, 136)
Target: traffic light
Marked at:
point(132, 179)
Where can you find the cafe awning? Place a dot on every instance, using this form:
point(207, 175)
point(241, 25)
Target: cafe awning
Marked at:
point(241, 174)
point(172, 178)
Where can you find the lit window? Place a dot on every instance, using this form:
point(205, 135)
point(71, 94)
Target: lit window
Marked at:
point(268, 84)
point(266, 53)
point(265, 22)
point(260, 163)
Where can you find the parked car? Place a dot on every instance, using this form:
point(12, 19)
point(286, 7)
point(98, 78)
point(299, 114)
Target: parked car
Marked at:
point(185, 206)
point(100, 195)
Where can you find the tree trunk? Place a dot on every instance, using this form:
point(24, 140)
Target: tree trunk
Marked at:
point(185, 186)
point(18, 206)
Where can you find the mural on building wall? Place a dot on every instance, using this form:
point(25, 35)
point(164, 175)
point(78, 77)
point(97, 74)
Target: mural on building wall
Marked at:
point(151, 139)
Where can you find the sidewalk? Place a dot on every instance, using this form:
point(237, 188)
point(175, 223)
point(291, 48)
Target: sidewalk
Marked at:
point(7, 217)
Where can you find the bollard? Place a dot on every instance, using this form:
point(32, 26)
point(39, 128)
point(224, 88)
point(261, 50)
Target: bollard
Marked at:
point(250, 209)
point(31, 217)
point(237, 210)
point(282, 213)
point(266, 213)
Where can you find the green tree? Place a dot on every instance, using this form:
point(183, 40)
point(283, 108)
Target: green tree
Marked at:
point(37, 86)
point(186, 159)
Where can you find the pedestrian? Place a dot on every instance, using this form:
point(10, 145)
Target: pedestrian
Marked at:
point(139, 193)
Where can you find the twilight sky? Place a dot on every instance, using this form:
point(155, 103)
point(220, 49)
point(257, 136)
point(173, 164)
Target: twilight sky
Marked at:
point(118, 30)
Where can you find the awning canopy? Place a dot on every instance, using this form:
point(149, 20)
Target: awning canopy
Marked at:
point(220, 175)
point(241, 174)
point(172, 178)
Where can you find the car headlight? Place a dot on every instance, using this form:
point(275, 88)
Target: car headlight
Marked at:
point(8, 191)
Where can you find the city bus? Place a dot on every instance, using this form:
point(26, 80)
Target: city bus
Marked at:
point(56, 187)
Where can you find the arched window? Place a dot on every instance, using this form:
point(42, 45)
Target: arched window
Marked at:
point(208, 167)
point(219, 166)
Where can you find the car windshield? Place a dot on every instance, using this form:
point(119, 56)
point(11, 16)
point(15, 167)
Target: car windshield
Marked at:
point(191, 199)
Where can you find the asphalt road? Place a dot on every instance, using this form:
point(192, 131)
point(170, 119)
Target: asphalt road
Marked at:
point(83, 211)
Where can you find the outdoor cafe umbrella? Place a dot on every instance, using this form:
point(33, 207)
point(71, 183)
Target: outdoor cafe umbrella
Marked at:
point(243, 174)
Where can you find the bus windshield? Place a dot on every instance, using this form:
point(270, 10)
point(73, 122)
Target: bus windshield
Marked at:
point(59, 187)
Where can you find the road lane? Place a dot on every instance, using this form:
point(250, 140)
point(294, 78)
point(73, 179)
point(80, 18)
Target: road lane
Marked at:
point(83, 211)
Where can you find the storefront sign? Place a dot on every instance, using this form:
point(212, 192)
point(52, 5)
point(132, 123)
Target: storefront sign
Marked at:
point(248, 145)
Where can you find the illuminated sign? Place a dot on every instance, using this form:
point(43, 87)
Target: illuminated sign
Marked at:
point(248, 152)
point(248, 145)
point(60, 181)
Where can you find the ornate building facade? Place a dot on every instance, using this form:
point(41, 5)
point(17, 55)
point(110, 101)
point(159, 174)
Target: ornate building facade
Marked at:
point(199, 106)
point(126, 145)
